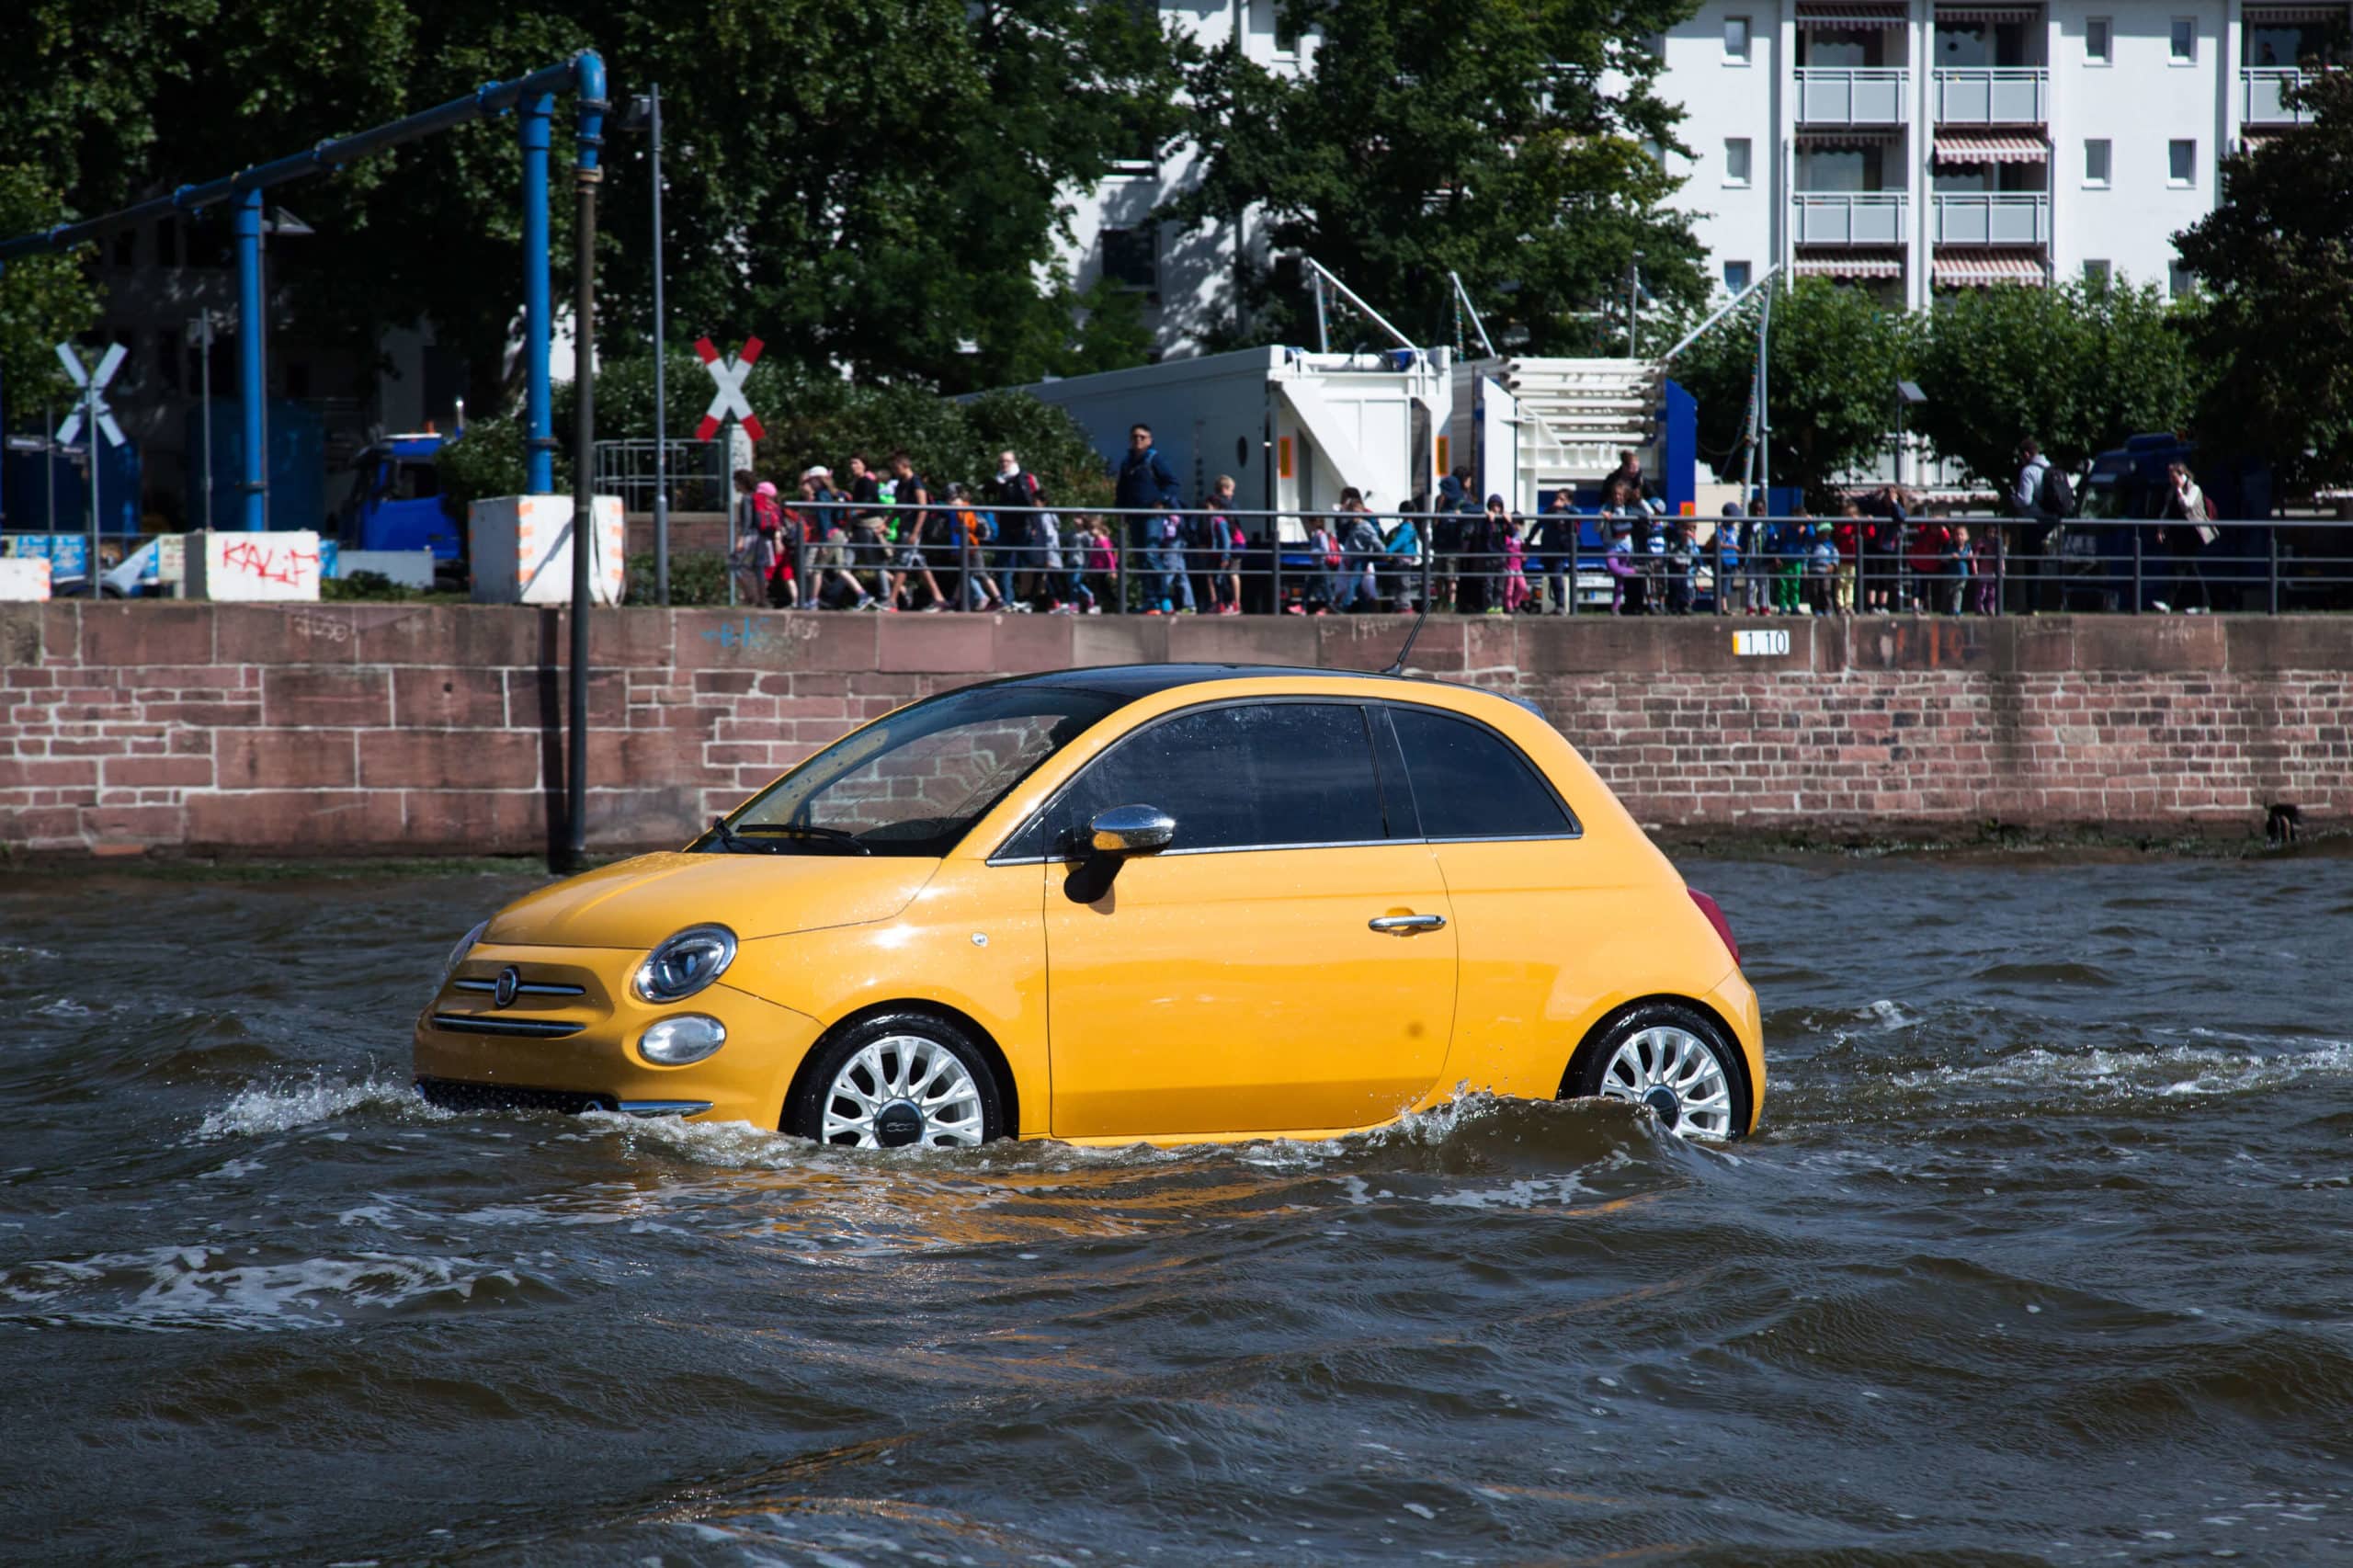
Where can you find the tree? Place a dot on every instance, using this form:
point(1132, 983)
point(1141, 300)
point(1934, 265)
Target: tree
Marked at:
point(44, 300)
point(2079, 369)
point(2275, 259)
point(1506, 140)
point(1837, 355)
point(870, 184)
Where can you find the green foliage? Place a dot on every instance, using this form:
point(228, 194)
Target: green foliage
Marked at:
point(365, 587)
point(815, 419)
point(1471, 136)
point(2078, 369)
point(44, 300)
point(2276, 261)
point(488, 460)
point(697, 577)
point(1836, 355)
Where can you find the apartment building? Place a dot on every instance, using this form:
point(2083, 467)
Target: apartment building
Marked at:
point(1913, 145)
point(1904, 146)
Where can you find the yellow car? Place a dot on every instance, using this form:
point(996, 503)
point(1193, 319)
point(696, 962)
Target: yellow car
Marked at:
point(1168, 903)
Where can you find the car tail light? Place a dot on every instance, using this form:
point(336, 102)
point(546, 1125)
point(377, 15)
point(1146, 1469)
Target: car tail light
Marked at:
point(1716, 918)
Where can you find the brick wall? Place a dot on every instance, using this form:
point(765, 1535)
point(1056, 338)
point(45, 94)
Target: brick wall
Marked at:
point(387, 728)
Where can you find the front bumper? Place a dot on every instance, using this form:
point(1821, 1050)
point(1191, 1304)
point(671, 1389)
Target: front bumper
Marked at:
point(572, 1044)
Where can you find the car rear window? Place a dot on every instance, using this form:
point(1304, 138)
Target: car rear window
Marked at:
point(1469, 782)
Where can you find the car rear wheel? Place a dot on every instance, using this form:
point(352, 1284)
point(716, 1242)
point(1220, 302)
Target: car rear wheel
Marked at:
point(899, 1081)
point(1677, 1061)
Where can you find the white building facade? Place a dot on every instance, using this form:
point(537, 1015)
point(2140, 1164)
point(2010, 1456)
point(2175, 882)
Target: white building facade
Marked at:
point(1901, 145)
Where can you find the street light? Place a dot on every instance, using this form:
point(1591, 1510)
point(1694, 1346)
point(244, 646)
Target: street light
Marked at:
point(1907, 394)
point(644, 114)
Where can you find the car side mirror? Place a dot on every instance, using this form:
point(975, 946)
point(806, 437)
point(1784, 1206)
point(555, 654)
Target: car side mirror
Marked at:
point(1111, 837)
point(1130, 830)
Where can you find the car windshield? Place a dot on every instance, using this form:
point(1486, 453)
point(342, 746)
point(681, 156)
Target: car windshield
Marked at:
point(913, 783)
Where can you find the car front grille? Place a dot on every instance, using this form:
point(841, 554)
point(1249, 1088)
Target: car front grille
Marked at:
point(452, 1094)
point(485, 1023)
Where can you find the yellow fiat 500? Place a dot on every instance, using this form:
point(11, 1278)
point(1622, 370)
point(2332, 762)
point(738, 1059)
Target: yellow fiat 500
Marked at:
point(1172, 904)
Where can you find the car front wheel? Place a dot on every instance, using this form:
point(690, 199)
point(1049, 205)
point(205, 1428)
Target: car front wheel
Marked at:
point(899, 1081)
point(1677, 1061)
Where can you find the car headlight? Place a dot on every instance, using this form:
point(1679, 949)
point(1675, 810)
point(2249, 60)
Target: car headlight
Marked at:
point(457, 954)
point(690, 1037)
point(686, 963)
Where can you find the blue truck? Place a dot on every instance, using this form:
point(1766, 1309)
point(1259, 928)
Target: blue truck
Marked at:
point(396, 501)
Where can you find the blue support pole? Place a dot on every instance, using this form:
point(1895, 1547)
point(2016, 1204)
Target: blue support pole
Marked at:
point(252, 488)
point(536, 120)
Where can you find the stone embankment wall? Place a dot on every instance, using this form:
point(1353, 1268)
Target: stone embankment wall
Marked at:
point(379, 729)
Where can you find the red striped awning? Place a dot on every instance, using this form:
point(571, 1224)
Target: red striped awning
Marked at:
point(1825, 139)
point(1849, 266)
point(2261, 15)
point(1849, 14)
point(1988, 14)
point(1978, 271)
point(1966, 147)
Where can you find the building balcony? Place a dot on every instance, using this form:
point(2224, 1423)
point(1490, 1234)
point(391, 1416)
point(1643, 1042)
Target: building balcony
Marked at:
point(1853, 96)
point(2003, 217)
point(2262, 97)
point(1999, 95)
point(1850, 218)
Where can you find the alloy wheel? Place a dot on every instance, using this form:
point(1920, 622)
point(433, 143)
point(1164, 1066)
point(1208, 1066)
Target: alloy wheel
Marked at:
point(1676, 1074)
point(902, 1090)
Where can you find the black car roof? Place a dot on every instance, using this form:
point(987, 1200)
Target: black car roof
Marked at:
point(1133, 681)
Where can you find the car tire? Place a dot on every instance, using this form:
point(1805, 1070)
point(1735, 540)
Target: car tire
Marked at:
point(897, 1080)
point(1674, 1058)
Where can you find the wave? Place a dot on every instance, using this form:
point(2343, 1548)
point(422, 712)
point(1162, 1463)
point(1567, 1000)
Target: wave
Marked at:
point(167, 1289)
point(261, 1109)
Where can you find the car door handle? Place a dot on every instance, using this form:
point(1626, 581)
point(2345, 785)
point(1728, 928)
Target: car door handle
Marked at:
point(1405, 925)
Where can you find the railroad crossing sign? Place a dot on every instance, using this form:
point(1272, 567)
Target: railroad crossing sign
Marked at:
point(729, 371)
point(93, 387)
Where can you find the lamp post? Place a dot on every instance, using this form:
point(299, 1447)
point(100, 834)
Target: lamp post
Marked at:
point(644, 113)
point(1907, 393)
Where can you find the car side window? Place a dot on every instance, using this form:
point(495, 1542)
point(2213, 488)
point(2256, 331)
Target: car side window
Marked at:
point(1469, 782)
point(1239, 776)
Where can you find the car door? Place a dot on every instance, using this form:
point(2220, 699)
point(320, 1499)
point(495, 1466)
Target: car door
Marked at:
point(1286, 963)
point(1528, 914)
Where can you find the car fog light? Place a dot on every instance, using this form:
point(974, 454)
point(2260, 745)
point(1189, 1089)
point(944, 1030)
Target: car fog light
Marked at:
point(673, 1042)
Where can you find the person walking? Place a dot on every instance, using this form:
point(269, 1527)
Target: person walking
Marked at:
point(1145, 487)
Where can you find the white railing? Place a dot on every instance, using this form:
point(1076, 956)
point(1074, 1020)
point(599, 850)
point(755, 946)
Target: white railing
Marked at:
point(1872, 96)
point(2002, 95)
point(1850, 218)
point(2262, 100)
point(2007, 218)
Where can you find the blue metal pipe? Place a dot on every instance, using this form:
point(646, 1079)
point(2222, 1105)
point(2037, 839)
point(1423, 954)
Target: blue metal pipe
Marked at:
point(490, 99)
point(252, 488)
point(538, 406)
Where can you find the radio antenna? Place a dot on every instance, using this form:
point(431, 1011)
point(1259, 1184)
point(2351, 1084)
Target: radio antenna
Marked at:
point(1399, 667)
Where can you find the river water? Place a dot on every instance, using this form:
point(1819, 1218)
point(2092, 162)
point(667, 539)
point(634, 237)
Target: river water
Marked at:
point(2043, 1256)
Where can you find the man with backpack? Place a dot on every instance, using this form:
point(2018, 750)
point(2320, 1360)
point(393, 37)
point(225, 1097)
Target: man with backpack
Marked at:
point(2043, 499)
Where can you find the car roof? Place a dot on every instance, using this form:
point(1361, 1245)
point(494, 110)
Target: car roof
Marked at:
point(1130, 682)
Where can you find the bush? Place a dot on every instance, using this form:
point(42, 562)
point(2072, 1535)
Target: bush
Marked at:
point(697, 577)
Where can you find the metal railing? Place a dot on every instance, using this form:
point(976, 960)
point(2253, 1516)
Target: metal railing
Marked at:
point(1855, 96)
point(1996, 94)
point(2004, 218)
point(2263, 96)
point(696, 472)
point(1850, 218)
point(1560, 563)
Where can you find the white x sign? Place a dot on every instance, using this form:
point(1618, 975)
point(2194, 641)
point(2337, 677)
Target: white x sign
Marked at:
point(94, 405)
point(729, 371)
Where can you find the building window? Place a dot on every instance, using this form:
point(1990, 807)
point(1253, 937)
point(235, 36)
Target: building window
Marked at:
point(1735, 277)
point(1736, 160)
point(2179, 283)
point(2184, 40)
point(1131, 258)
point(2096, 162)
point(1735, 40)
point(1286, 29)
point(2098, 48)
point(2096, 276)
point(2181, 163)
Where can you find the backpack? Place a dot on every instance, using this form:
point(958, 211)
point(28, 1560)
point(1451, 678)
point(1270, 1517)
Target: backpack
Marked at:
point(2056, 497)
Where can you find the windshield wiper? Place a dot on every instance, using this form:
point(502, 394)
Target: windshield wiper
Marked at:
point(734, 843)
point(806, 830)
